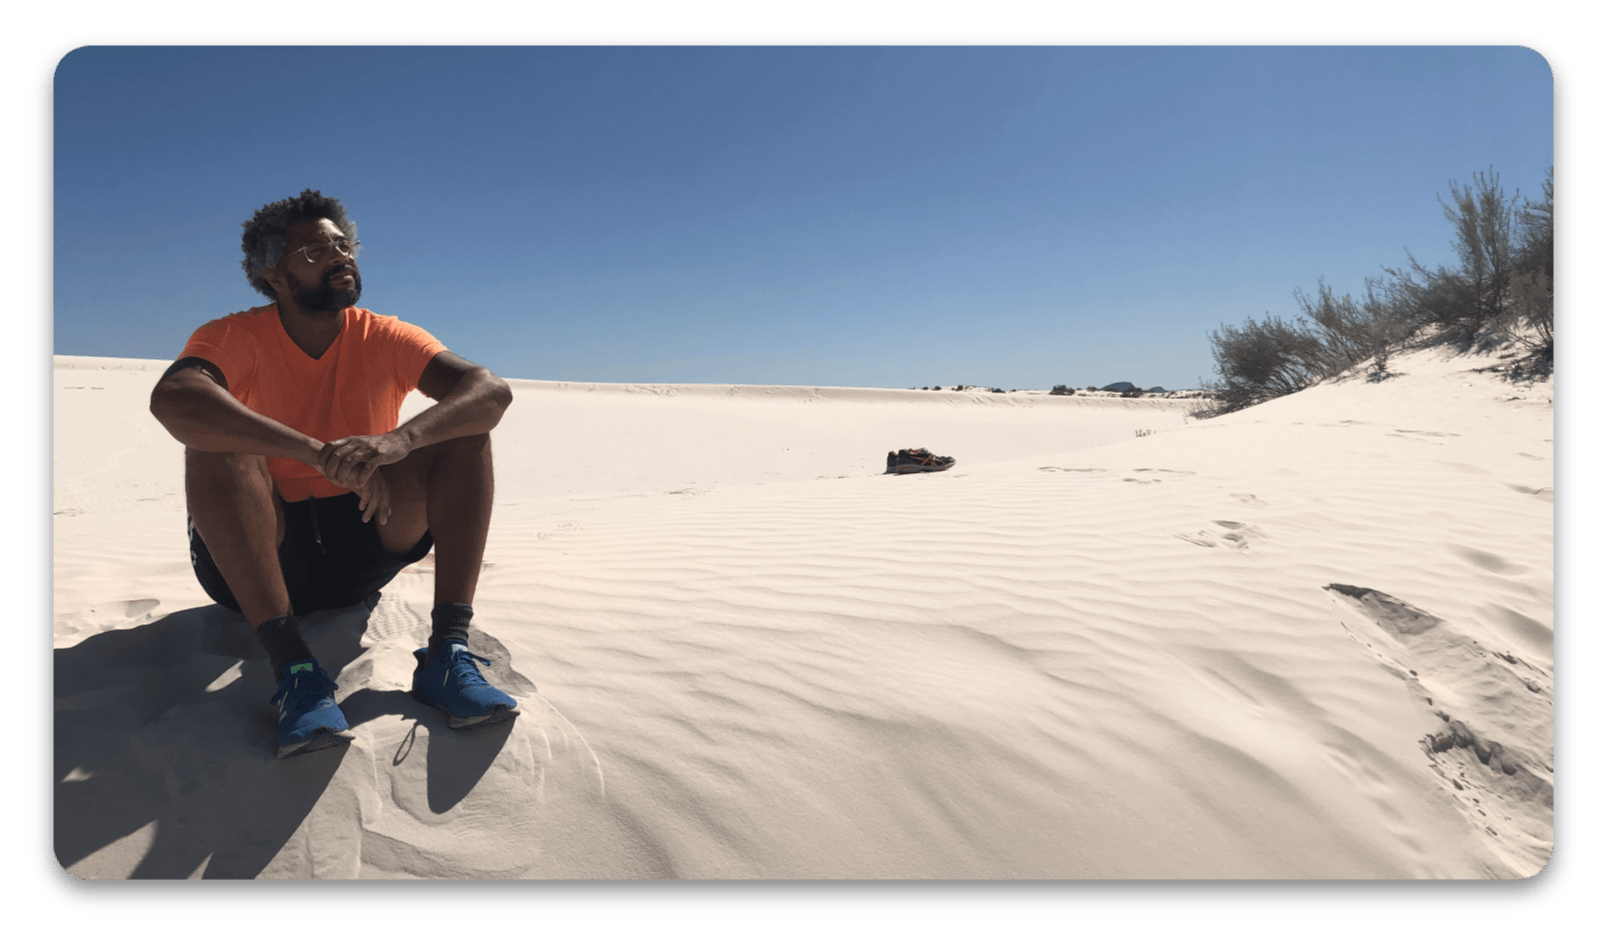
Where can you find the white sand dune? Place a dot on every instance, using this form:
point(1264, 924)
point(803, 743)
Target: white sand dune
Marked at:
point(1309, 640)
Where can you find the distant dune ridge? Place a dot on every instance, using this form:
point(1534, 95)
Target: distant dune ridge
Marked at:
point(1113, 388)
point(1310, 639)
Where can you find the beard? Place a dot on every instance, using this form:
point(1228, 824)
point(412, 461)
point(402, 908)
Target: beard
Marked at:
point(325, 298)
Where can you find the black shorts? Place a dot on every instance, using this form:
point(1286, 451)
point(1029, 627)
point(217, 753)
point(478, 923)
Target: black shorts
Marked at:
point(330, 557)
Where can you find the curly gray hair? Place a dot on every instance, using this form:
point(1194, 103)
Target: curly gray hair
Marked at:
point(266, 231)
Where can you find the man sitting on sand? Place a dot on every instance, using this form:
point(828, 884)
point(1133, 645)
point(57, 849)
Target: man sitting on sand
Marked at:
point(303, 491)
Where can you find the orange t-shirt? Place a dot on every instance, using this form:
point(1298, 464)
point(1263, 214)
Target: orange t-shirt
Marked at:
point(356, 387)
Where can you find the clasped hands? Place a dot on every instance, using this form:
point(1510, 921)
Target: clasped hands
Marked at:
point(353, 463)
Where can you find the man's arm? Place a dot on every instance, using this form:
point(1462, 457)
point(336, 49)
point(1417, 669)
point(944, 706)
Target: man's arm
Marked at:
point(192, 401)
point(470, 400)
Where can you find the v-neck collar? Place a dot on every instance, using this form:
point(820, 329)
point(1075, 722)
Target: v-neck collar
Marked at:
point(295, 349)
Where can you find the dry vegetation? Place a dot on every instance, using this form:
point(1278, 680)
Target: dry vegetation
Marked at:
point(1501, 289)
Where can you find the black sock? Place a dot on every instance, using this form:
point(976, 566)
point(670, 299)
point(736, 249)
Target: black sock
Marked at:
point(450, 624)
point(281, 638)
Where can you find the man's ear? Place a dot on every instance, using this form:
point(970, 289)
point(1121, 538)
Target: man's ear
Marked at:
point(274, 278)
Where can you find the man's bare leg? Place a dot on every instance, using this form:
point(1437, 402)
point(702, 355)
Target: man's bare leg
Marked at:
point(462, 487)
point(238, 514)
point(446, 489)
point(240, 517)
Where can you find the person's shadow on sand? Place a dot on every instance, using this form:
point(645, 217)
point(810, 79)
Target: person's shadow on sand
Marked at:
point(165, 730)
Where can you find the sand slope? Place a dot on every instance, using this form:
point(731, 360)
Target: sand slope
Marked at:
point(1311, 639)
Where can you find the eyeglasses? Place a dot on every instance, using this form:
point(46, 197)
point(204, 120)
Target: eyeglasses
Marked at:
point(317, 252)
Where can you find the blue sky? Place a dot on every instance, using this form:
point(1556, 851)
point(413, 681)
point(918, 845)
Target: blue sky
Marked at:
point(1013, 217)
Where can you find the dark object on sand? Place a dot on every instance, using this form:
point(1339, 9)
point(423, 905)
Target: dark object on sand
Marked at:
point(916, 460)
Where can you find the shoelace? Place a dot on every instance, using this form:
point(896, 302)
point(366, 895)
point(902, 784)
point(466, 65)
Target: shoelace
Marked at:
point(292, 683)
point(462, 664)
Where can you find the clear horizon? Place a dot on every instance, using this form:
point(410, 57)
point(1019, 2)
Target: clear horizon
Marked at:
point(881, 217)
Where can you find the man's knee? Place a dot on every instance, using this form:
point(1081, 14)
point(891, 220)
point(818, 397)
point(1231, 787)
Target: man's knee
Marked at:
point(458, 449)
point(473, 445)
point(222, 489)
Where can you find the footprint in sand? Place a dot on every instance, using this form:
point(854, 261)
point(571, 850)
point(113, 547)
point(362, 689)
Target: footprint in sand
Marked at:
point(1423, 433)
point(1249, 499)
point(1234, 534)
point(1504, 787)
point(1149, 480)
point(1483, 560)
point(1545, 494)
point(564, 526)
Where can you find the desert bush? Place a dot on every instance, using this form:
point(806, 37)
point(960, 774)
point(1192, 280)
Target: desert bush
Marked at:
point(1500, 248)
point(1484, 225)
point(1435, 298)
point(1342, 340)
point(1537, 219)
point(1131, 393)
point(1351, 331)
point(1532, 303)
point(1531, 298)
point(1504, 282)
point(1061, 390)
point(1259, 361)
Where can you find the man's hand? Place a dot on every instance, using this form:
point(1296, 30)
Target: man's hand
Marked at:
point(374, 498)
point(351, 462)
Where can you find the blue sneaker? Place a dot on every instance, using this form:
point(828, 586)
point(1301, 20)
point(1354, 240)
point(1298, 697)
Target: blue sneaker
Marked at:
point(308, 718)
point(453, 685)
